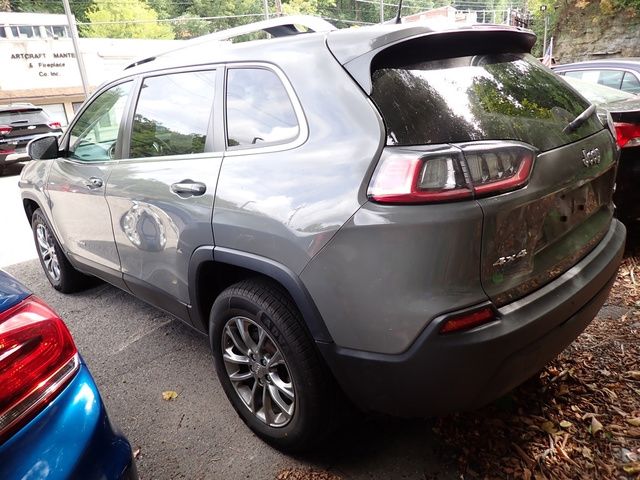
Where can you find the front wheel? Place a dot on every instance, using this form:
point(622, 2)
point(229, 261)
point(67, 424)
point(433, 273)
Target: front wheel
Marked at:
point(269, 368)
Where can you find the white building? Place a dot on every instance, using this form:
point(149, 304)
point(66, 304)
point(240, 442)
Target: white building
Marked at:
point(38, 63)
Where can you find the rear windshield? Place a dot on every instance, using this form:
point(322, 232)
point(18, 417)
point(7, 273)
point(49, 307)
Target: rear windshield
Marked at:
point(23, 116)
point(480, 97)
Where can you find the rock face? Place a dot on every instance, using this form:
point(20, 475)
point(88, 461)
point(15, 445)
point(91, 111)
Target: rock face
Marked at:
point(588, 34)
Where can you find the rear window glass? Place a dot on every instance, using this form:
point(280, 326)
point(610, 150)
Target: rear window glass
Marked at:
point(480, 97)
point(23, 116)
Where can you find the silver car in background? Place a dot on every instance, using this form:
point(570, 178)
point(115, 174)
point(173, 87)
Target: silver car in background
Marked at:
point(408, 220)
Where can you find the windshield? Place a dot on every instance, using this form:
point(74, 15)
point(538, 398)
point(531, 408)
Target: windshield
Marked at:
point(480, 97)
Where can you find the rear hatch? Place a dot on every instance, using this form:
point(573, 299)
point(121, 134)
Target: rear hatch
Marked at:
point(19, 125)
point(477, 97)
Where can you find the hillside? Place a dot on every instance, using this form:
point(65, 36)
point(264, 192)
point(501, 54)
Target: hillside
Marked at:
point(590, 30)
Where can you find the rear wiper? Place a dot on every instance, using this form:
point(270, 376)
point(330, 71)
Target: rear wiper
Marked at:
point(579, 120)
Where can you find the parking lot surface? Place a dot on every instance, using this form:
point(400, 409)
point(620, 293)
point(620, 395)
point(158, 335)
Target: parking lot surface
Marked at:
point(136, 352)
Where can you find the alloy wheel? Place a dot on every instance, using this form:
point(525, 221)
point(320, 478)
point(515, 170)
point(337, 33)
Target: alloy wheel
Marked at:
point(47, 250)
point(258, 371)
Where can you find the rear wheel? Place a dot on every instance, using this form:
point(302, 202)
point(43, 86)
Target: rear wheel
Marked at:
point(269, 368)
point(60, 273)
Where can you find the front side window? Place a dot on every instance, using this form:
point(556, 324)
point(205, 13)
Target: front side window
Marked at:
point(94, 136)
point(172, 115)
point(259, 110)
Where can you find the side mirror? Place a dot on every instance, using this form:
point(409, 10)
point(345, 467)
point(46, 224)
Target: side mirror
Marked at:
point(43, 148)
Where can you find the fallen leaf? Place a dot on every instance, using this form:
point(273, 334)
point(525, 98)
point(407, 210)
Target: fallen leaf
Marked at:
point(526, 474)
point(586, 453)
point(136, 452)
point(549, 427)
point(634, 421)
point(634, 432)
point(169, 395)
point(566, 424)
point(632, 467)
point(635, 374)
point(596, 426)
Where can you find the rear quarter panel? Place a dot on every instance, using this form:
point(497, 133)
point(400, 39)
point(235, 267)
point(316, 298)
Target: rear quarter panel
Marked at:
point(285, 205)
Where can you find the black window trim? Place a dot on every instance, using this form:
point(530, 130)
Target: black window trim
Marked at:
point(303, 128)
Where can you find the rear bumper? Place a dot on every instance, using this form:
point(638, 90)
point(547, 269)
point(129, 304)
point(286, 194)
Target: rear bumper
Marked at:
point(444, 373)
point(71, 438)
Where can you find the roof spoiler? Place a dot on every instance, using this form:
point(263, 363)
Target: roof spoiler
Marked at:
point(276, 27)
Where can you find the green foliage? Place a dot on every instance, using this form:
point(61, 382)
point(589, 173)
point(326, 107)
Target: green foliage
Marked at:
point(78, 7)
point(538, 17)
point(187, 26)
point(136, 10)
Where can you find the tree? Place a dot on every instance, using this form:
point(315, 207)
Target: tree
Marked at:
point(144, 16)
point(188, 26)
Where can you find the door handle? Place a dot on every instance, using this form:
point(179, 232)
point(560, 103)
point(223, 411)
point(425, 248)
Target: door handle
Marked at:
point(188, 188)
point(93, 182)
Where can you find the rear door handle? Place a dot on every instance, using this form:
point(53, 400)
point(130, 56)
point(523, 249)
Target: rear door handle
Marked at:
point(188, 188)
point(93, 182)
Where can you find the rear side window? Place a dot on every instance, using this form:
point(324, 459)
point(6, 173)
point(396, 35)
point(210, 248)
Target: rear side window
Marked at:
point(259, 110)
point(630, 83)
point(172, 114)
point(480, 97)
point(26, 117)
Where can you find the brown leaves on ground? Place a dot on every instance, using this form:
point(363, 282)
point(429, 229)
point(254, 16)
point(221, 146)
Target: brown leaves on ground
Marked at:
point(626, 289)
point(579, 420)
point(305, 474)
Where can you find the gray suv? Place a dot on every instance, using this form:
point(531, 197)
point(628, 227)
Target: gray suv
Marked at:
point(406, 220)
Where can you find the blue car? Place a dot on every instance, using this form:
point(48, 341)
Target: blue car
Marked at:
point(53, 424)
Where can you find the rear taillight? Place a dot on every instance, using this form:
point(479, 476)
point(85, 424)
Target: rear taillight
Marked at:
point(627, 134)
point(407, 175)
point(5, 129)
point(468, 320)
point(37, 358)
point(54, 125)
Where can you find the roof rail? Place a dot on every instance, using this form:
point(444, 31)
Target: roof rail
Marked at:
point(276, 27)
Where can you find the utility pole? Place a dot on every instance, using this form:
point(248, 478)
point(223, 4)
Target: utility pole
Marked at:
point(543, 8)
point(266, 9)
point(76, 48)
point(381, 11)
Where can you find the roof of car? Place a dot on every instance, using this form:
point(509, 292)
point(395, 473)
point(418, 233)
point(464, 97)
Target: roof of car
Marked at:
point(19, 106)
point(632, 62)
point(345, 44)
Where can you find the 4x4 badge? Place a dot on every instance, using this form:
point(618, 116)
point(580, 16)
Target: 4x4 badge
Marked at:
point(591, 157)
point(510, 258)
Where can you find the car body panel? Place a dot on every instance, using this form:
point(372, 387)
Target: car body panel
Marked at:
point(79, 211)
point(12, 292)
point(286, 204)
point(391, 270)
point(71, 438)
point(442, 373)
point(156, 231)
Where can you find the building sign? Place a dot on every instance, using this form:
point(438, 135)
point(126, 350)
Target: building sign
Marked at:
point(35, 65)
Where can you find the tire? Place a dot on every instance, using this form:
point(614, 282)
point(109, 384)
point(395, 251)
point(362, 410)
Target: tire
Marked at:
point(313, 410)
point(60, 273)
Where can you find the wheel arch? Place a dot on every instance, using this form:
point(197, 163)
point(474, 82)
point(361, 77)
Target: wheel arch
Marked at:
point(212, 269)
point(30, 205)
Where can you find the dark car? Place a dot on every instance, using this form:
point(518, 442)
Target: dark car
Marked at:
point(53, 423)
point(624, 109)
point(20, 123)
point(400, 214)
point(619, 73)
